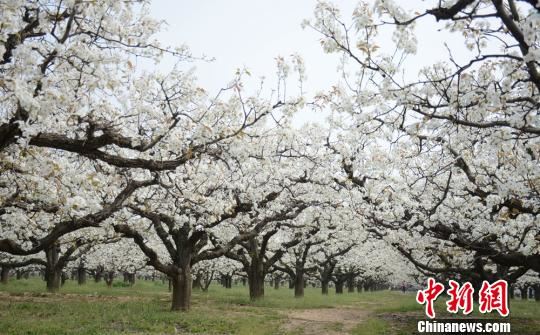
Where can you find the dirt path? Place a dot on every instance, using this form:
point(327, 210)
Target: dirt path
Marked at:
point(327, 321)
point(56, 297)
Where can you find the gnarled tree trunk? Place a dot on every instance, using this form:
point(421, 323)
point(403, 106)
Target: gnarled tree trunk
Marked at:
point(339, 286)
point(181, 289)
point(54, 279)
point(277, 280)
point(98, 274)
point(325, 275)
point(299, 284)
point(256, 279)
point(523, 292)
point(511, 289)
point(109, 277)
point(226, 280)
point(81, 274)
point(53, 275)
point(5, 274)
point(197, 282)
point(536, 292)
point(324, 286)
point(63, 278)
point(207, 281)
point(350, 283)
point(131, 279)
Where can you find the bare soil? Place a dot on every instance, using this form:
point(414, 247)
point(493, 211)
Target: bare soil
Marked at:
point(327, 321)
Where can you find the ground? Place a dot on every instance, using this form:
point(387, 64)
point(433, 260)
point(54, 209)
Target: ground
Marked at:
point(25, 308)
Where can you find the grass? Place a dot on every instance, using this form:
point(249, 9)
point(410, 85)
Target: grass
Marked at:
point(25, 308)
point(372, 326)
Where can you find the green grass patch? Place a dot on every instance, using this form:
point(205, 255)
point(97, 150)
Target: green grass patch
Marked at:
point(373, 326)
point(26, 308)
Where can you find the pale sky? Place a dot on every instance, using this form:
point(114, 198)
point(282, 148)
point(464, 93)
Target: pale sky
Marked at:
point(251, 33)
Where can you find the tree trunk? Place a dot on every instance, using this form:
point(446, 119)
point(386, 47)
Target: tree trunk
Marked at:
point(256, 279)
point(19, 274)
point(63, 278)
point(523, 292)
point(197, 284)
point(339, 286)
point(53, 275)
point(5, 274)
point(98, 275)
point(276, 283)
point(81, 275)
point(350, 283)
point(511, 290)
point(207, 281)
point(109, 277)
point(54, 279)
point(131, 279)
point(324, 286)
point(226, 281)
point(181, 289)
point(537, 292)
point(299, 284)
